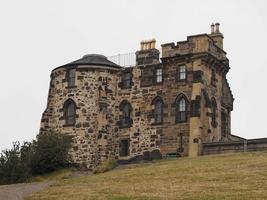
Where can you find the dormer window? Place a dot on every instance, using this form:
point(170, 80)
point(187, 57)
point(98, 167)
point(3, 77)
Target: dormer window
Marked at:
point(71, 77)
point(159, 75)
point(182, 73)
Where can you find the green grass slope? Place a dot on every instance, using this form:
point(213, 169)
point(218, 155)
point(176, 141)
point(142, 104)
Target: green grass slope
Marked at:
point(230, 176)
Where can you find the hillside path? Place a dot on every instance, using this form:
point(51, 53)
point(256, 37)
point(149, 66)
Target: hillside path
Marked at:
point(21, 190)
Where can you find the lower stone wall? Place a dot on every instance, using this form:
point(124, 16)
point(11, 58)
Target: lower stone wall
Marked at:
point(242, 145)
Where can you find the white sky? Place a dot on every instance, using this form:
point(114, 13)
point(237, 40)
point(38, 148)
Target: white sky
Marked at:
point(37, 36)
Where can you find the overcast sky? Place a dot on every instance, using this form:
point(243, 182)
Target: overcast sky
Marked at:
point(37, 36)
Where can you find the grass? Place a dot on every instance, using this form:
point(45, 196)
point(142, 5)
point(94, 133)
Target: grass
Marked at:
point(56, 175)
point(230, 176)
point(106, 166)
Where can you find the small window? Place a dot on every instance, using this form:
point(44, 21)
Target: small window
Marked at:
point(70, 112)
point(126, 80)
point(158, 111)
point(181, 109)
point(159, 75)
point(182, 72)
point(124, 148)
point(71, 77)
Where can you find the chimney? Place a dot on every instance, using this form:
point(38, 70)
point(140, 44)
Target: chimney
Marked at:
point(216, 35)
point(148, 54)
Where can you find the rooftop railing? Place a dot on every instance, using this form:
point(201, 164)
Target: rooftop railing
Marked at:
point(124, 60)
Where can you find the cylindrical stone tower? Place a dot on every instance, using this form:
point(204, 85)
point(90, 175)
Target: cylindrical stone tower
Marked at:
point(81, 103)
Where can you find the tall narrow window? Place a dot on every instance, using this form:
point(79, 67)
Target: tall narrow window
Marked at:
point(124, 148)
point(159, 75)
point(158, 111)
point(126, 80)
point(71, 77)
point(213, 77)
point(70, 112)
point(181, 108)
point(182, 72)
point(125, 119)
point(213, 112)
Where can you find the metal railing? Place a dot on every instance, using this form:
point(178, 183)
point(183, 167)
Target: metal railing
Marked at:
point(127, 59)
point(124, 60)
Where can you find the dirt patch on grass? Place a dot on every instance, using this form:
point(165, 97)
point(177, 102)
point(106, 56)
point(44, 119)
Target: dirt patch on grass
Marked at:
point(19, 191)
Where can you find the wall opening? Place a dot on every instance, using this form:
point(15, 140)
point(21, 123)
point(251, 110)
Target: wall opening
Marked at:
point(124, 148)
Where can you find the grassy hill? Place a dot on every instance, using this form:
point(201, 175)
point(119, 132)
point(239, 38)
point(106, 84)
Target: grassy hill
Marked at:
point(230, 176)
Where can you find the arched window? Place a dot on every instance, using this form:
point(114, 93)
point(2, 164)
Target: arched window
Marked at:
point(158, 110)
point(181, 108)
point(125, 118)
point(213, 112)
point(70, 112)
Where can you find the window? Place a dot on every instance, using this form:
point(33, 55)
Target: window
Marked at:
point(126, 80)
point(71, 77)
point(213, 112)
point(182, 72)
point(159, 75)
point(125, 119)
point(124, 148)
point(70, 112)
point(213, 77)
point(158, 110)
point(181, 108)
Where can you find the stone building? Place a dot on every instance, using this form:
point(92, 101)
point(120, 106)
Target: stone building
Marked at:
point(169, 102)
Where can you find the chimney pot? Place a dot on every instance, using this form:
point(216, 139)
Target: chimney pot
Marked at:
point(212, 28)
point(217, 27)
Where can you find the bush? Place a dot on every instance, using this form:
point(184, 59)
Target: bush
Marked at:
point(105, 166)
point(12, 167)
point(47, 153)
point(50, 152)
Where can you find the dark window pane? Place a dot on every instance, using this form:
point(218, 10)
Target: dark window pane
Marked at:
point(158, 112)
point(124, 148)
point(126, 80)
point(126, 114)
point(71, 77)
point(70, 113)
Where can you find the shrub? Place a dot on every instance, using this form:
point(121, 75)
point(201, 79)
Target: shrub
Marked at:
point(105, 166)
point(12, 167)
point(47, 153)
point(50, 152)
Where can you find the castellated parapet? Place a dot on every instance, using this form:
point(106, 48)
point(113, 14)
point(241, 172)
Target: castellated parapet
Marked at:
point(161, 106)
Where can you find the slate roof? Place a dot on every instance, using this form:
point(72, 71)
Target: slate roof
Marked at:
point(92, 59)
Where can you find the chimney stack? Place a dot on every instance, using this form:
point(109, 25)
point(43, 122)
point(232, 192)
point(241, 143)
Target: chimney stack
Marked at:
point(216, 35)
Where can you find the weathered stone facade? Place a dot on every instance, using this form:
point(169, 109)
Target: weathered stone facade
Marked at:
point(162, 105)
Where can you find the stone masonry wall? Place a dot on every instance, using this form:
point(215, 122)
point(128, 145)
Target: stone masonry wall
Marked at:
point(94, 130)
